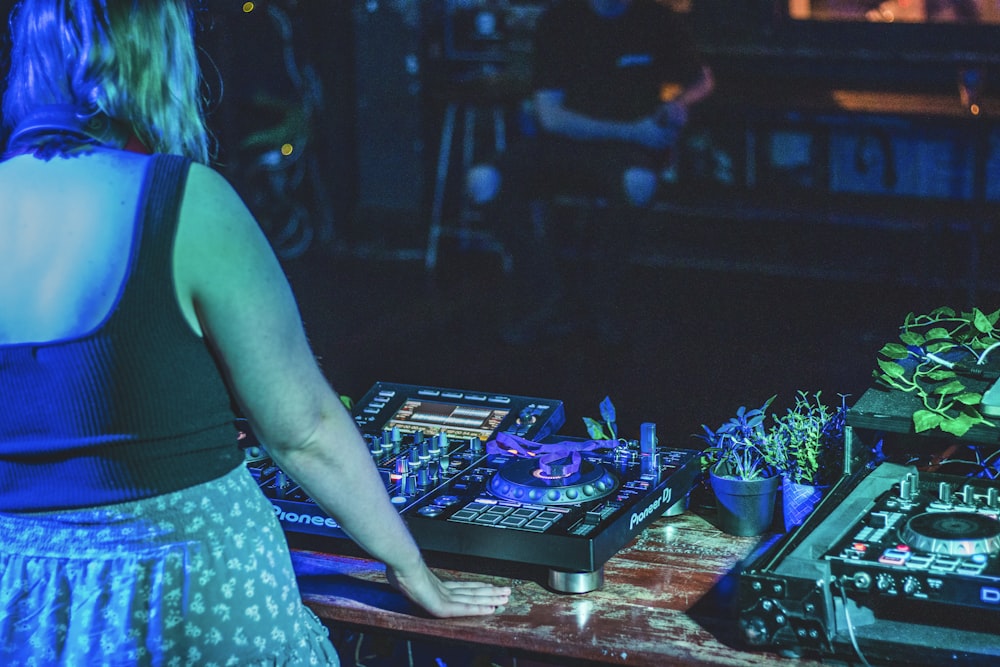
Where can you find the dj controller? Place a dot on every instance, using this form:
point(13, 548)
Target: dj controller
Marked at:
point(898, 565)
point(932, 538)
point(486, 475)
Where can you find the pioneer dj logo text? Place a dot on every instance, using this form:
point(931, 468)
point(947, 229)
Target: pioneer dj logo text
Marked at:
point(663, 500)
point(295, 517)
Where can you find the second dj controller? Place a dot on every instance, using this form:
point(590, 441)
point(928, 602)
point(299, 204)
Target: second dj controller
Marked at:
point(932, 538)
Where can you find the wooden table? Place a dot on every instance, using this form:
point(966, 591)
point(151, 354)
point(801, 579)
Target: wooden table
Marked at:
point(667, 599)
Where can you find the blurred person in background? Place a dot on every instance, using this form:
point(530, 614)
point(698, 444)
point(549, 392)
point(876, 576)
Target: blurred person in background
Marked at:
point(613, 84)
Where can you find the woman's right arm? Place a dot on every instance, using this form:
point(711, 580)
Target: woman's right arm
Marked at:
point(233, 291)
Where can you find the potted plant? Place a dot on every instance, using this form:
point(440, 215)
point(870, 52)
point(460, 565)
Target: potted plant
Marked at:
point(743, 467)
point(810, 436)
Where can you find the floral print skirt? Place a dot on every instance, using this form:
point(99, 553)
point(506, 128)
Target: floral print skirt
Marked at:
point(199, 577)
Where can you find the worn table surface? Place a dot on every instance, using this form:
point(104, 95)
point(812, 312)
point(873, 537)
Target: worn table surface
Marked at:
point(667, 599)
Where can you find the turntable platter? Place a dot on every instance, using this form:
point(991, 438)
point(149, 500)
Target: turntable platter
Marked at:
point(522, 480)
point(952, 533)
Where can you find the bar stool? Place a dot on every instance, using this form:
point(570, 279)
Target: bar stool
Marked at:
point(462, 227)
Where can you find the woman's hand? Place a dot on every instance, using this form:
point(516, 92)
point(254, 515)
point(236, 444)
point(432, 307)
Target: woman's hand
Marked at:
point(448, 598)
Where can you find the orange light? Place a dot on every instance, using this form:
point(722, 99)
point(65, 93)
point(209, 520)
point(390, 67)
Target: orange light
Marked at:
point(287, 149)
point(669, 91)
point(974, 109)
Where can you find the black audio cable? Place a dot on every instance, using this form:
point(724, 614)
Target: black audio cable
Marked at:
point(839, 584)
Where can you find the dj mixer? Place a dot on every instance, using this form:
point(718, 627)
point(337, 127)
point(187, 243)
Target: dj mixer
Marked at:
point(485, 474)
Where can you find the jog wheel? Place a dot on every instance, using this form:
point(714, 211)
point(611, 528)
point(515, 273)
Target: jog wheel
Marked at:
point(524, 481)
point(952, 533)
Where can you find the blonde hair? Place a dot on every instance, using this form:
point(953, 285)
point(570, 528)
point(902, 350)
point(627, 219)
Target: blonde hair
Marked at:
point(133, 60)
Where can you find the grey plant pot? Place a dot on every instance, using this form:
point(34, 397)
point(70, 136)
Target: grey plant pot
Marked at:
point(745, 507)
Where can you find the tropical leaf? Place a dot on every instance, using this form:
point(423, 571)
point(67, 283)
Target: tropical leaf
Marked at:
point(938, 333)
point(595, 429)
point(891, 368)
point(958, 426)
point(895, 351)
point(925, 420)
point(981, 321)
point(969, 398)
point(608, 410)
point(953, 387)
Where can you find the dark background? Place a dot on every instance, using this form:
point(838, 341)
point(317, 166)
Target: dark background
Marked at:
point(703, 337)
point(773, 304)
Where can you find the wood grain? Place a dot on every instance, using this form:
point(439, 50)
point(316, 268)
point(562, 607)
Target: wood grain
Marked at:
point(667, 599)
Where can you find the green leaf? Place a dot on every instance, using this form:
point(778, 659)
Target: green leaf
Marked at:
point(939, 374)
point(894, 351)
point(969, 398)
point(938, 332)
point(595, 429)
point(925, 420)
point(981, 322)
point(958, 426)
point(911, 338)
point(953, 387)
point(891, 368)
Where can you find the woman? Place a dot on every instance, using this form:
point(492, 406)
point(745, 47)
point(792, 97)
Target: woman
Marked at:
point(138, 298)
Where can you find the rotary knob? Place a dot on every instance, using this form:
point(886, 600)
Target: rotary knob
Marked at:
point(911, 585)
point(885, 583)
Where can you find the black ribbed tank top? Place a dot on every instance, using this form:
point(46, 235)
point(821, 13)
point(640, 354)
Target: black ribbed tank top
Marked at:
point(131, 410)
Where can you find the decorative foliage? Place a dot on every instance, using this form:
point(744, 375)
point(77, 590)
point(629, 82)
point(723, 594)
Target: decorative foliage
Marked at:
point(811, 436)
point(806, 444)
point(606, 429)
point(940, 358)
point(740, 447)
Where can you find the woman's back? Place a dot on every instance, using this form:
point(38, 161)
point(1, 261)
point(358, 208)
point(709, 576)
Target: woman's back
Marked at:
point(68, 227)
